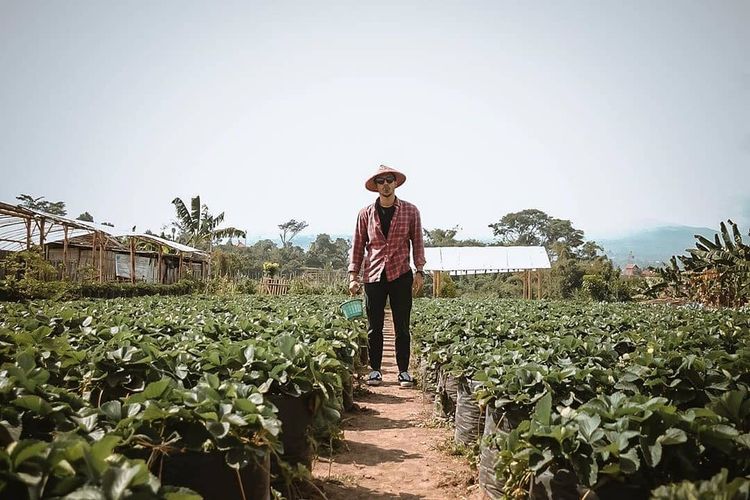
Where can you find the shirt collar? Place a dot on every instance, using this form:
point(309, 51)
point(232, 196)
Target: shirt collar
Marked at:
point(396, 202)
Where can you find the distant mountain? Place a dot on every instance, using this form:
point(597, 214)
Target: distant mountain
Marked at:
point(653, 247)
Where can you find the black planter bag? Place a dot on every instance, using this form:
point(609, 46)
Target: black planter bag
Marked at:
point(209, 475)
point(469, 416)
point(447, 395)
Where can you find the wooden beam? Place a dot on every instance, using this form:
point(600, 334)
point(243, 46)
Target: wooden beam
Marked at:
point(101, 258)
point(65, 249)
point(41, 233)
point(528, 278)
point(159, 273)
point(132, 259)
point(28, 234)
point(539, 284)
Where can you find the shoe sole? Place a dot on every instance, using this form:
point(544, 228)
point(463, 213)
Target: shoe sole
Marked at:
point(374, 382)
point(406, 385)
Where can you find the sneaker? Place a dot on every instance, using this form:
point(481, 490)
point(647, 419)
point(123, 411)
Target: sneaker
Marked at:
point(405, 380)
point(374, 378)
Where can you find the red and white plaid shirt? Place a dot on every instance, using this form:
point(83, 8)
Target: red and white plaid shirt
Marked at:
point(391, 254)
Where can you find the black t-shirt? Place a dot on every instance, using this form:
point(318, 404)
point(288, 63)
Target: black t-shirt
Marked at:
point(385, 214)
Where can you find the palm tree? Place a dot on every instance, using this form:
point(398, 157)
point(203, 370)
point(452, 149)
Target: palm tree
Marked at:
point(198, 228)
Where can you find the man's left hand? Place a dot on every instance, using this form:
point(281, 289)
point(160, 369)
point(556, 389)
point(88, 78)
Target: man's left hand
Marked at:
point(418, 283)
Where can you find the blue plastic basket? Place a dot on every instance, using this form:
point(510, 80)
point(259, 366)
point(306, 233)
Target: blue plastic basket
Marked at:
point(352, 309)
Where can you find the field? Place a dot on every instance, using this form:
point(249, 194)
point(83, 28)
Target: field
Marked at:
point(134, 398)
point(617, 399)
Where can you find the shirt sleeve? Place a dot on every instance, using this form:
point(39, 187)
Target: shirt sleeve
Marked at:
point(358, 244)
point(417, 241)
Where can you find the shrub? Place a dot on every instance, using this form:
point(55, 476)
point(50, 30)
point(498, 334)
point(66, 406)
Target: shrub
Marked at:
point(594, 287)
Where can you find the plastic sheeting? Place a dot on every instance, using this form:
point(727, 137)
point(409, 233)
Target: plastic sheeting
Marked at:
point(446, 396)
point(469, 416)
point(479, 260)
point(496, 421)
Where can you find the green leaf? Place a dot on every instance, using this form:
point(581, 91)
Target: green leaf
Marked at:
point(33, 403)
point(587, 424)
point(272, 425)
point(87, 493)
point(234, 419)
point(87, 422)
point(102, 449)
point(629, 462)
point(26, 362)
point(154, 390)
point(174, 493)
point(249, 354)
point(132, 410)
point(654, 454)
point(218, 429)
point(265, 386)
point(117, 479)
point(9, 432)
point(112, 409)
point(672, 436)
point(213, 381)
point(26, 449)
point(543, 411)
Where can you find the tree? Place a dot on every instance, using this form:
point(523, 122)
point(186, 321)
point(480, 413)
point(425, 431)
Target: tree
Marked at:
point(197, 227)
point(86, 217)
point(566, 276)
point(589, 251)
point(532, 227)
point(447, 238)
point(441, 237)
point(289, 230)
point(54, 208)
point(323, 252)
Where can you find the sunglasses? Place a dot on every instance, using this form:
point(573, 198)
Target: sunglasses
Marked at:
point(382, 180)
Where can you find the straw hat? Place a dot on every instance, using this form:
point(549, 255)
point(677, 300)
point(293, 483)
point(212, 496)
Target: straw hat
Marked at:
point(382, 172)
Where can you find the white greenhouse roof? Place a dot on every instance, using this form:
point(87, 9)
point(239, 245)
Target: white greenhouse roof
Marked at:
point(479, 260)
point(18, 223)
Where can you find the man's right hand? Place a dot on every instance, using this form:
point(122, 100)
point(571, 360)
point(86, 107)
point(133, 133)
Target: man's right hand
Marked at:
point(354, 286)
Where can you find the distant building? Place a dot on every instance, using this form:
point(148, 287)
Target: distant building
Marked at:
point(632, 271)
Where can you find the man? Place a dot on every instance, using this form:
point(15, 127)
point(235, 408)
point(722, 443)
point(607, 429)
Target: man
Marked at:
point(385, 231)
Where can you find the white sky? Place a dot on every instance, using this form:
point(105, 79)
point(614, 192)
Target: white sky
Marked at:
point(615, 115)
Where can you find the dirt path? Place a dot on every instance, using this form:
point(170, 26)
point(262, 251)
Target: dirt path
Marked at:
point(391, 448)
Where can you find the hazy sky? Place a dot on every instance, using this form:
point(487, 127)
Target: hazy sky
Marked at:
point(615, 115)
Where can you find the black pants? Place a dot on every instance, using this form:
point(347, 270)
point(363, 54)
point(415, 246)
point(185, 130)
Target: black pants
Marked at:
point(399, 292)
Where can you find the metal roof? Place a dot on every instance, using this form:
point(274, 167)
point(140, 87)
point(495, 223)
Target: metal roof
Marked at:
point(479, 260)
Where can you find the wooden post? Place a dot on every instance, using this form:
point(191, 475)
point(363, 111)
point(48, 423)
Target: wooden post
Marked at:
point(65, 249)
point(101, 259)
point(41, 233)
point(179, 269)
point(28, 234)
point(132, 260)
point(93, 250)
point(159, 273)
point(539, 284)
point(528, 281)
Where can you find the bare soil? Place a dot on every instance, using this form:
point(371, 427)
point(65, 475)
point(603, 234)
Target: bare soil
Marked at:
point(393, 447)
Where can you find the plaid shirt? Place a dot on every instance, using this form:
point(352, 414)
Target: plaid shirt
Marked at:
point(391, 254)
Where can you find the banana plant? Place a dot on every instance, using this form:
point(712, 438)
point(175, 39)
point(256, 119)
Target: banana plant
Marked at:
point(715, 272)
